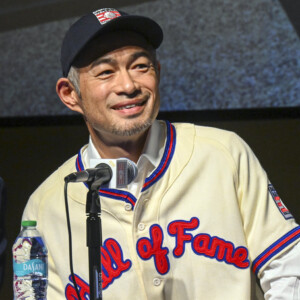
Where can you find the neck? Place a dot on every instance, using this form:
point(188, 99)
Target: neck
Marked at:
point(111, 146)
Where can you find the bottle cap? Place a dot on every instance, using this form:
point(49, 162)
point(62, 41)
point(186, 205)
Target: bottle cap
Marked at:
point(27, 223)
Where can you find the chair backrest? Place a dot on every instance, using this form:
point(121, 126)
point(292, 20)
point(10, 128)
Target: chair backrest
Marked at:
point(3, 240)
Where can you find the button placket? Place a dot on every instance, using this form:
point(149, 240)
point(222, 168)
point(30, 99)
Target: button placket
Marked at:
point(128, 207)
point(156, 281)
point(141, 226)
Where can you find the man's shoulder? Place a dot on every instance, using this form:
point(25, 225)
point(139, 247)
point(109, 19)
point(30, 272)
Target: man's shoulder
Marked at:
point(56, 180)
point(211, 139)
point(205, 132)
point(50, 194)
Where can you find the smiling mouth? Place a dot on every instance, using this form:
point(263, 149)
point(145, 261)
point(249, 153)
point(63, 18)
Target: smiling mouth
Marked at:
point(131, 105)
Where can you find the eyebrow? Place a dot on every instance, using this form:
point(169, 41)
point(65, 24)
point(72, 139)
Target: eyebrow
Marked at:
point(100, 61)
point(139, 54)
point(112, 61)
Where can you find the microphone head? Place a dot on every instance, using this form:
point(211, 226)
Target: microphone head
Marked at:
point(124, 171)
point(132, 170)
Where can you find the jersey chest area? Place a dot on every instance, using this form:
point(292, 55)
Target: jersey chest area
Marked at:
point(170, 236)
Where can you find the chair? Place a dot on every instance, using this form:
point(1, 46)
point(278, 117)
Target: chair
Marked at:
point(3, 240)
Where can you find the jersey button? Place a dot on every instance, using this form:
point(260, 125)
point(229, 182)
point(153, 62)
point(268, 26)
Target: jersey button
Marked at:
point(156, 281)
point(128, 207)
point(141, 226)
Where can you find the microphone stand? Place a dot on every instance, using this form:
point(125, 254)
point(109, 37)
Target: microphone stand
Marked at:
point(94, 232)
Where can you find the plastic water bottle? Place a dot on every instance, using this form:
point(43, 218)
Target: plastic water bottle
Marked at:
point(30, 264)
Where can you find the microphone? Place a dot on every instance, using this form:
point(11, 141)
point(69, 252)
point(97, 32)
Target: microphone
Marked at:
point(89, 175)
point(120, 172)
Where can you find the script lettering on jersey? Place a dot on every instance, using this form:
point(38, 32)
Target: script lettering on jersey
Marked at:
point(83, 288)
point(147, 248)
point(152, 247)
point(206, 245)
point(202, 244)
point(113, 266)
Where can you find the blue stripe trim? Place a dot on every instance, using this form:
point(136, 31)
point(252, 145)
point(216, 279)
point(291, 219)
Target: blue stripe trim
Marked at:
point(164, 158)
point(79, 161)
point(273, 253)
point(121, 195)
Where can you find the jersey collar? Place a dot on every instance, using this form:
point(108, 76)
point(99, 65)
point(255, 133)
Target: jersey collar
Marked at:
point(160, 157)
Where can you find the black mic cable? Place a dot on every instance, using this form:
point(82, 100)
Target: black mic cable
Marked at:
point(96, 176)
point(70, 240)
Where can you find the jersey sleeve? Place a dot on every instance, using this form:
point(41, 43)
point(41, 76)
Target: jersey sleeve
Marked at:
point(269, 227)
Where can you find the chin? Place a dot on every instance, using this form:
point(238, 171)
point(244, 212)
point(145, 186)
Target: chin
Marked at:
point(131, 129)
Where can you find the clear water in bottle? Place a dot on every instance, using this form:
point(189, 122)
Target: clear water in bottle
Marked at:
point(30, 264)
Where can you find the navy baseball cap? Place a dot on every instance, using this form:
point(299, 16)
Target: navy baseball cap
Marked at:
point(104, 21)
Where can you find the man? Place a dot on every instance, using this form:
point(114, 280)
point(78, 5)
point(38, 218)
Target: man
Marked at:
point(200, 220)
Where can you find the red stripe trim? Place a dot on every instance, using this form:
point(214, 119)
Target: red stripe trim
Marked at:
point(78, 164)
point(118, 195)
point(275, 248)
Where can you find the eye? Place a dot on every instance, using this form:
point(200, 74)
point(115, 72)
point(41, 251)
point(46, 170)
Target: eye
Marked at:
point(104, 73)
point(142, 67)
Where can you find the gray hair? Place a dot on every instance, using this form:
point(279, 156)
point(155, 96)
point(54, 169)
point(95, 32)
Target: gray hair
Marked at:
point(73, 76)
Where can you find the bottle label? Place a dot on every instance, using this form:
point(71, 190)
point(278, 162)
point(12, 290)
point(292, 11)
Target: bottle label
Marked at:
point(34, 266)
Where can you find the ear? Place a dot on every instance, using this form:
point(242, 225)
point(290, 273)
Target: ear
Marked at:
point(67, 94)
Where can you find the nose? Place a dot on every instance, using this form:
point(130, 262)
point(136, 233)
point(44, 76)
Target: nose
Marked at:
point(126, 84)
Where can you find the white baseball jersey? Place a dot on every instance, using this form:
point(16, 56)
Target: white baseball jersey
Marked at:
point(206, 222)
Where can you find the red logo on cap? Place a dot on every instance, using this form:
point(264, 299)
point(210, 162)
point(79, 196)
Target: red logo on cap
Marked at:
point(106, 14)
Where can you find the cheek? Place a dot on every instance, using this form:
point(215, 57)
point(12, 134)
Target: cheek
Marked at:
point(151, 84)
point(95, 95)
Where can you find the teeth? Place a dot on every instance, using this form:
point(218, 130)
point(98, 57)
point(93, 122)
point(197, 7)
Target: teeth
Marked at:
point(130, 106)
point(127, 106)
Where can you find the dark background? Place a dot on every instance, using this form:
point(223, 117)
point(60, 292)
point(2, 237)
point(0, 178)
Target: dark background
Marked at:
point(33, 147)
point(218, 54)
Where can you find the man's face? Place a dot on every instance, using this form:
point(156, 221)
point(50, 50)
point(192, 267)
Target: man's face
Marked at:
point(119, 92)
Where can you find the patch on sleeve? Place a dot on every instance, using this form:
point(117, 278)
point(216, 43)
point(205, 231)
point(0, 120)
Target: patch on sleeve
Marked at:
point(283, 209)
